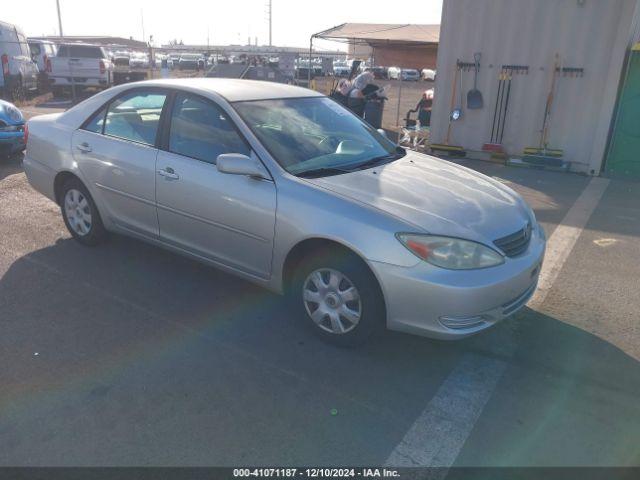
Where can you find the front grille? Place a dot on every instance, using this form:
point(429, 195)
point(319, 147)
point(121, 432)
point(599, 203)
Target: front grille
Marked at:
point(516, 243)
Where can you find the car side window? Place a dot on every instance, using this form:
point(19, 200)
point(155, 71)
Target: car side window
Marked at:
point(135, 116)
point(201, 130)
point(97, 122)
point(35, 49)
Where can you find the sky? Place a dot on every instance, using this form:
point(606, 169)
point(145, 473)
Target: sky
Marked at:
point(224, 22)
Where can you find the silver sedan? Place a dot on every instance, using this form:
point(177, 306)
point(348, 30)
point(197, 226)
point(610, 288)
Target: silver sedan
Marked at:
point(286, 188)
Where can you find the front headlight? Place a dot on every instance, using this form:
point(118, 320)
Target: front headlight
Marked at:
point(451, 253)
point(14, 114)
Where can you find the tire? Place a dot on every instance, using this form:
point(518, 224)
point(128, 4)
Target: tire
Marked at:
point(80, 214)
point(333, 264)
point(17, 93)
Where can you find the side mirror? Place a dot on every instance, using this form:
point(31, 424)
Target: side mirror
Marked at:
point(239, 164)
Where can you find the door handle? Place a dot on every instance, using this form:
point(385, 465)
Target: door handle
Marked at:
point(84, 147)
point(169, 174)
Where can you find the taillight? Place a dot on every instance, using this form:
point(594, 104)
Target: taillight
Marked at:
point(26, 133)
point(47, 63)
point(103, 67)
point(5, 64)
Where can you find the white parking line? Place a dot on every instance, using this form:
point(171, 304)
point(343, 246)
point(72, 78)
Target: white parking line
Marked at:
point(437, 436)
point(565, 236)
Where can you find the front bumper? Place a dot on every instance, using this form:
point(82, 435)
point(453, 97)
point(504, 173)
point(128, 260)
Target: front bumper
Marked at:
point(12, 142)
point(445, 304)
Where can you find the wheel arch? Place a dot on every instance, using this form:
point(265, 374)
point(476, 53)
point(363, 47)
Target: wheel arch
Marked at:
point(60, 179)
point(315, 244)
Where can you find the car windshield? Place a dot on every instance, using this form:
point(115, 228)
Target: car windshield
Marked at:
point(316, 134)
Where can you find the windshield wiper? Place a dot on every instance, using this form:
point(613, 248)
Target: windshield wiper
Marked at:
point(322, 172)
point(397, 155)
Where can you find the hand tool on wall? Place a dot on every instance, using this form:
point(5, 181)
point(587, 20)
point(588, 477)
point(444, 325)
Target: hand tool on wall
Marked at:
point(455, 114)
point(474, 97)
point(543, 155)
point(509, 78)
point(493, 145)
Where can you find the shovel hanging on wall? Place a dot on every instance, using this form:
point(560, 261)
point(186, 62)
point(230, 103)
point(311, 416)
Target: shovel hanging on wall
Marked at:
point(474, 97)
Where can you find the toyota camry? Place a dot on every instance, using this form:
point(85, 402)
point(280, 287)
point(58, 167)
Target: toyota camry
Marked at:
point(286, 188)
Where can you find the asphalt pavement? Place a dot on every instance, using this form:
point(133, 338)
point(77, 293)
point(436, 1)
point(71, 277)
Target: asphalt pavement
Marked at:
point(126, 355)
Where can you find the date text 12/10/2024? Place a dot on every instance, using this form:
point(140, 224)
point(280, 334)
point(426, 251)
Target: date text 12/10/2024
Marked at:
point(315, 473)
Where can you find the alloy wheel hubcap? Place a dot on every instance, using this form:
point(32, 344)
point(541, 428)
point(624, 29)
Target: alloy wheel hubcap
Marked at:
point(332, 301)
point(78, 212)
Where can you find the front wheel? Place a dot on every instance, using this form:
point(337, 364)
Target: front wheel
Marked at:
point(339, 298)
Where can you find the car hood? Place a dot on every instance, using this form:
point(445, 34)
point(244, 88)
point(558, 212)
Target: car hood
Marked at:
point(436, 196)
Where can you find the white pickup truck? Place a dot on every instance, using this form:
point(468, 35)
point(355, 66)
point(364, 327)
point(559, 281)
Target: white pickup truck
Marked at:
point(80, 65)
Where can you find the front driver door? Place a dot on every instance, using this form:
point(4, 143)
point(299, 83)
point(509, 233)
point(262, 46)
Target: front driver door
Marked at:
point(228, 219)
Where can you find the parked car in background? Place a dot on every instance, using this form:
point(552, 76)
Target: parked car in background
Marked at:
point(11, 129)
point(410, 75)
point(191, 61)
point(393, 73)
point(286, 188)
point(428, 74)
point(341, 69)
point(161, 57)
point(121, 59)
point(379, 72)
point(302, 73)
point(42, 51)
point(19, 73)
point(174, 59)
point(81, 65)
point(139, 60)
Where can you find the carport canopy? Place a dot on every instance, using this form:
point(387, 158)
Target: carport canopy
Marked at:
point(379, 34)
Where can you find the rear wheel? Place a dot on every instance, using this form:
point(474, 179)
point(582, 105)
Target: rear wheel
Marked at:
point(17, 91)
point(80, 213)
point(338, 297)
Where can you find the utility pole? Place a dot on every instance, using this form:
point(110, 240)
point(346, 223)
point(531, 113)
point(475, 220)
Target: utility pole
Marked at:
point(142, 22)
point(59, 18)
point(270, 22)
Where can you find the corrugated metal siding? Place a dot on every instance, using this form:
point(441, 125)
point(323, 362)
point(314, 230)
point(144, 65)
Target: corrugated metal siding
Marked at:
point(593, 35)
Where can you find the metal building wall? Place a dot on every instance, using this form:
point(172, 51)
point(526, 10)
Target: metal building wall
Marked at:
point(592, 34)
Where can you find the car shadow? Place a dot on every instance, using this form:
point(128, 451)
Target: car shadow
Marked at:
point(125, 310)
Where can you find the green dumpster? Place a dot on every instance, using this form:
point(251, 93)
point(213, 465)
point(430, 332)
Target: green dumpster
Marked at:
point(624, 152)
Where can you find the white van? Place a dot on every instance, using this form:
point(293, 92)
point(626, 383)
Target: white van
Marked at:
point(41, 52)
point(19, 73)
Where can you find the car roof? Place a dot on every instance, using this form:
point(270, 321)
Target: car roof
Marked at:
point(235, 90)
point(79, 44)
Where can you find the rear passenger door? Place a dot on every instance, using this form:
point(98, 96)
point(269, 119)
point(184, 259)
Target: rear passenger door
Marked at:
point(116, 151)
point(228, 219)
